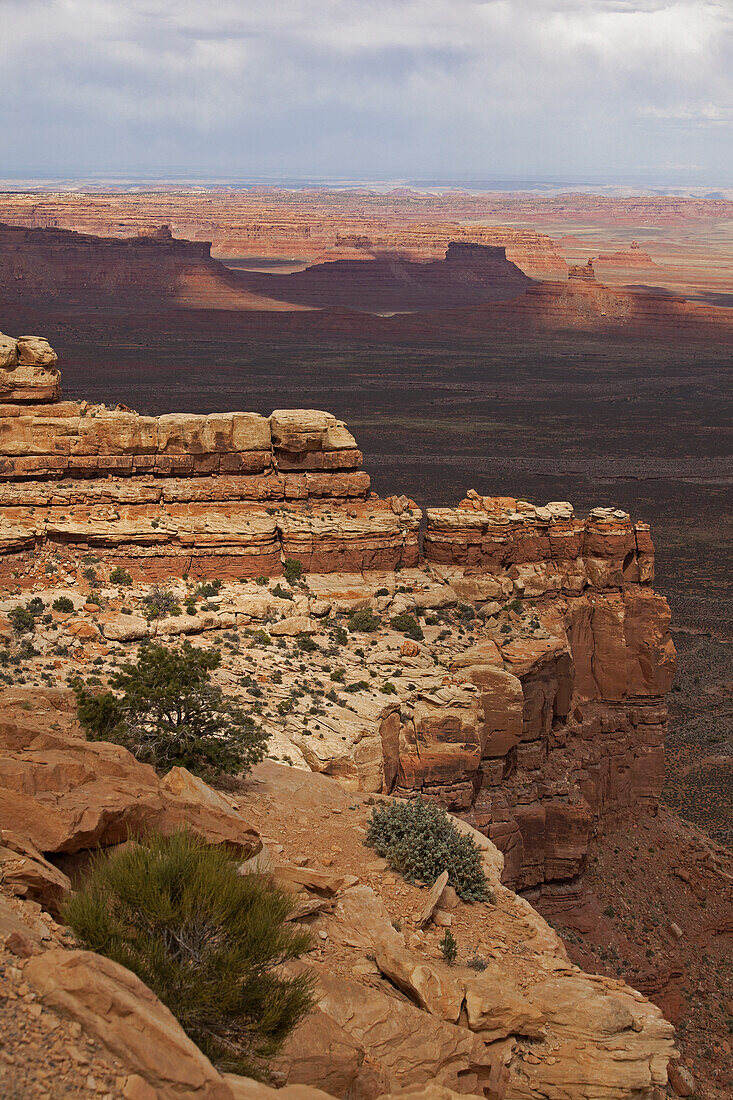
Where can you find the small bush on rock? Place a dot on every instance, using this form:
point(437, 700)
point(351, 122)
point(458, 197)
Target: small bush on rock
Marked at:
point(63, 604)
point(207, 941)
point(166, 711)
point(22, 619)
point(408, 624)
point(292, 569)
point(120, 576)
point(364, 620)
point(420, 841)
point(449, 947)
point(282, 593)
point(160, 602)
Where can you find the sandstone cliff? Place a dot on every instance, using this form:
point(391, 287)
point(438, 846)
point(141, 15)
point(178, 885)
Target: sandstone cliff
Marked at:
point(60, 267)
point(533, 699)
point(512, 667)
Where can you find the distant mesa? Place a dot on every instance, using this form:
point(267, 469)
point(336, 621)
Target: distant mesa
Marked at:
point(633, 256)
point(55, 267)
point(583, 272)
point(475, 288)
point(469, 274)
point(155, 233)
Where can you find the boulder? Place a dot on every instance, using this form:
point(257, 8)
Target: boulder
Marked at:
point(430, 987)
point(496, 1008)
point(297, 431)
point(128, 1021)
point(27, 874)
point(123, 628)
point(292, 626)
point(434, 896)
point(35, 351)
point(8, 352)
point(64, 794)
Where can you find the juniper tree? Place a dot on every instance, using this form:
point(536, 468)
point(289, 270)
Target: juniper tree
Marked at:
point(166, 711)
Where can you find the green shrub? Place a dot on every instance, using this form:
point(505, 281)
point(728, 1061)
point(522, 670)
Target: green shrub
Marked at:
point(208, 589)
point(207, 941)
point(63, 604)
point(120, 576)
point(160, 602)
point(305, 643)
point(282, 593)
point(22, 619)
point(420, 841)
point(363, 621)
point(166, 711)
point(90, 574)
point(292, 569)
point(36, 605)
point(449, 947)
point(408, 624)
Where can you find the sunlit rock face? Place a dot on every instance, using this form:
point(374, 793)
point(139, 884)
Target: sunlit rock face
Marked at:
point(515, 664)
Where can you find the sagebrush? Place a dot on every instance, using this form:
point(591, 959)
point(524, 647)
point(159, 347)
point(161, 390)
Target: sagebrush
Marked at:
point(420, 841)
point(207, 941)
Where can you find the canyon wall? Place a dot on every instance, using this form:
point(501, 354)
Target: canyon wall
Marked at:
point(531, 698)
point(229, 493)
point(56, 266)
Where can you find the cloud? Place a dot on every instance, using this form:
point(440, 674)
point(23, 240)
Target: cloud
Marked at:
point(371, 88)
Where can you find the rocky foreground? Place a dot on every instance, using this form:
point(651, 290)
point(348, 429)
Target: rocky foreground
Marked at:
point(513, 667)
point(513, 1018)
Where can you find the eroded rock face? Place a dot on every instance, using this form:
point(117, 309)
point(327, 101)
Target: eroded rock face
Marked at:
point(547, 715)
point(390, 1016)
point(65, 794)
point(221, 494)
point(27, 370)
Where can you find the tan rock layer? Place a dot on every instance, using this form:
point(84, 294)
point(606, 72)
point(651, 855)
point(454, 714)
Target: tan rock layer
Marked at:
point(493, 534)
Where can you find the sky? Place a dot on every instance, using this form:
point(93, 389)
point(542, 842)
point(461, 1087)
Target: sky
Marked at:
point(368, 89)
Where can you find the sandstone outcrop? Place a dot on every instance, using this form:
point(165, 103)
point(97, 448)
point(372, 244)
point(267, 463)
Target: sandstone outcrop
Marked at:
point(216, 494)
point(531, 698)
point(584, 273)
point(391, 1015)
point(64, 794)
point(28, 370)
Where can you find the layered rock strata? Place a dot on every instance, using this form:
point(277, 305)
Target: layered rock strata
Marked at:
point(531, 698)
point(233, 493)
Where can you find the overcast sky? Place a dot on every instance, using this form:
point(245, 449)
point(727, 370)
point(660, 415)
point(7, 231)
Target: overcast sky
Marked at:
point(374, 89)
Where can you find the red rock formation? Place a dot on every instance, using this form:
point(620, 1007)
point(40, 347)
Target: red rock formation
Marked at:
point(184, 493)
point(55, 266)
point(633, 256)
point(555, 719)
point(574, 713)
point(584, 273)
point(469, 274)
